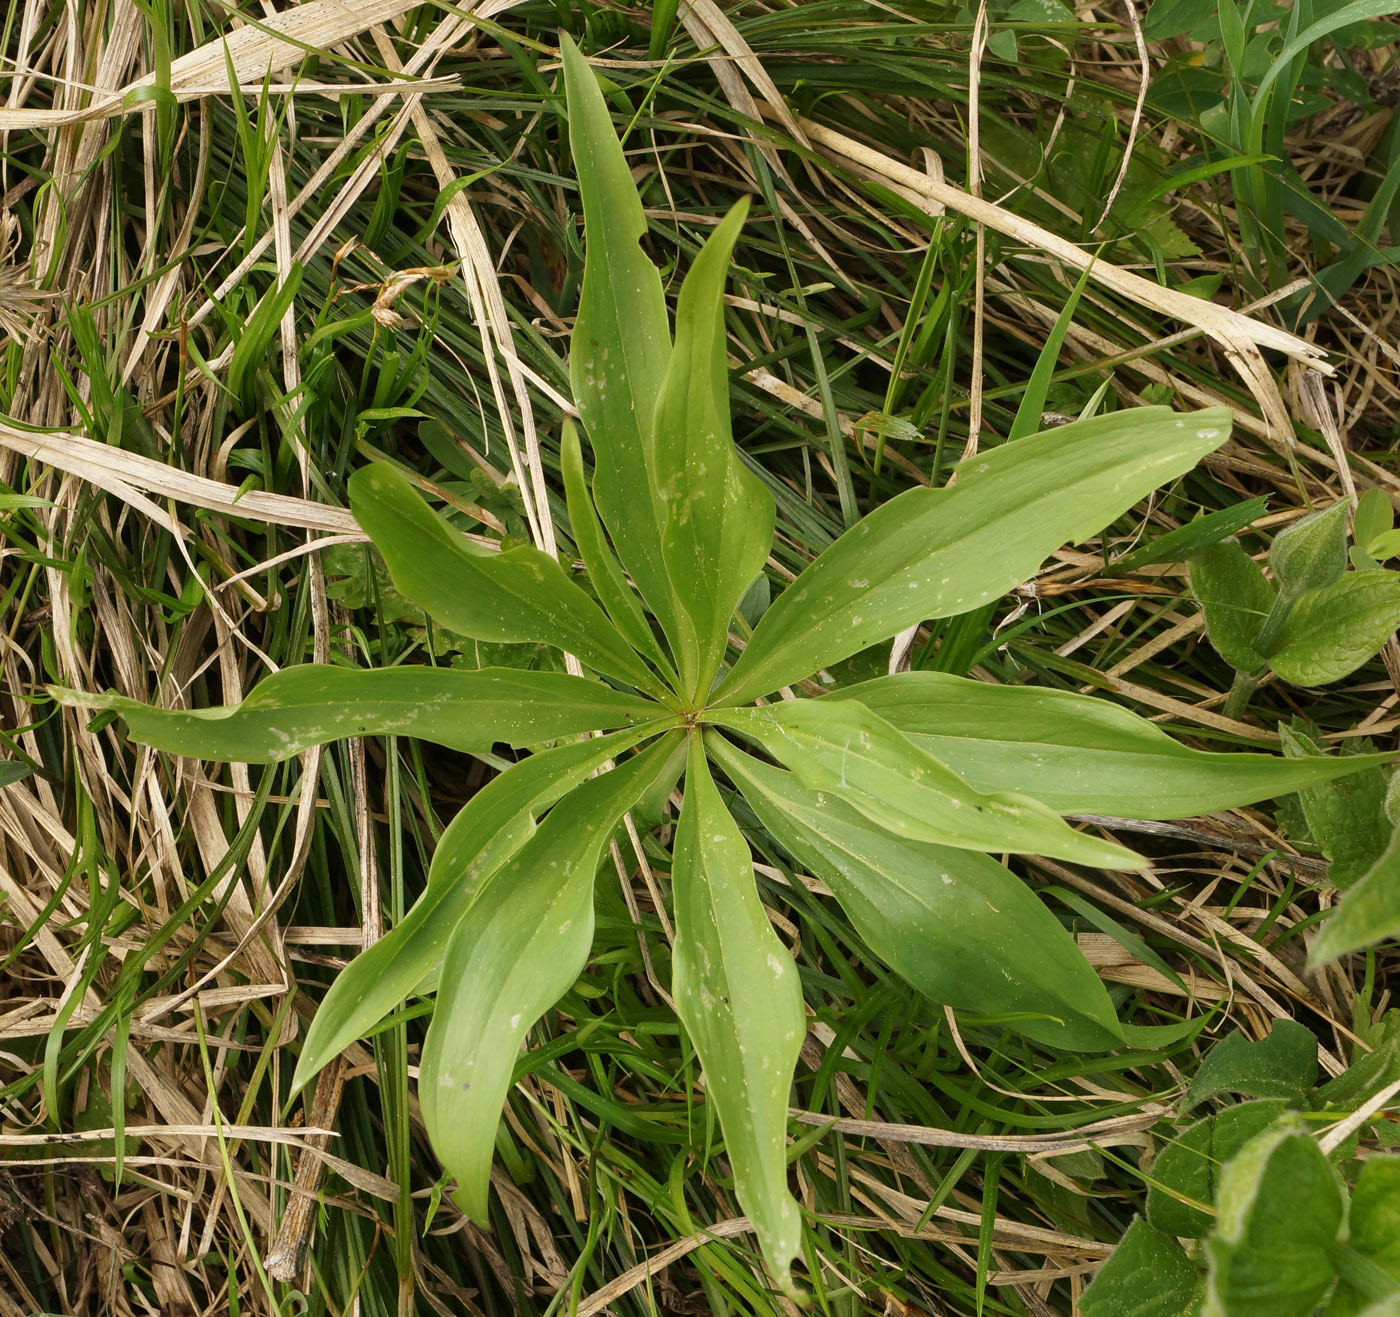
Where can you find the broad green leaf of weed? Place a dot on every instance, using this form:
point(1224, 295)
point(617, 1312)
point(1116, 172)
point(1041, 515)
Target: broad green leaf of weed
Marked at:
point(1148, 1276)
point(1190, 1166)
point(1312, 553)
point(737, 993)
point(1370, 1262)
point(1077, 753)
point(1283, 1065)
point(1368, 1073)
point(1332, 631)
point(1236, 597)
point(842, 748)
point(935, 553)
point(616, 596)
point(1375, 517)
point(1346, 818)
point(1281, 1209)
point(1369, 913)
point(525, 941)
point(299, 707)
point(957, 925)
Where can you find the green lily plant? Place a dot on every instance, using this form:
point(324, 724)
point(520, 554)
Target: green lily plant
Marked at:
point(891, 792)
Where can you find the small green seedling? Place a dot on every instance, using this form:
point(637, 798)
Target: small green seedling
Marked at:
point(890, 792)
point(1315, 622)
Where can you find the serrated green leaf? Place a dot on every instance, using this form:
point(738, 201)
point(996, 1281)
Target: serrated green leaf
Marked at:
point(1190, 1166)
point(524, 941)
point(1311, 553)
point(717, 517)
point(738, 995)
point(1369, 912)
point(1281, 1208)
point(621, 341)
point(519, 594)
point(1148, 1275)
point(604, 570)
point(1346, 818)
point(1236, 598)
point(1282, 1065)
point(486, 832)
point(1078, 753)
point(935, 553)
point(314, 703)
point(1331, 632)
point(955, 924)
point(841, 747)
point(1375, 516)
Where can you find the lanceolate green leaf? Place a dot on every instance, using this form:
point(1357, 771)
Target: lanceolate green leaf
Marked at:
point(518, 595)
point(524, 941)
point(299, 707)
point(1332, 631)
point(936, 553)
point(843, 748)
point(1077, 753)
point(738, 996)
point(1235, 597)
point(954, 923)
point(603, 568)
point(717, 518)
point(621, 341)
point(490, 828)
